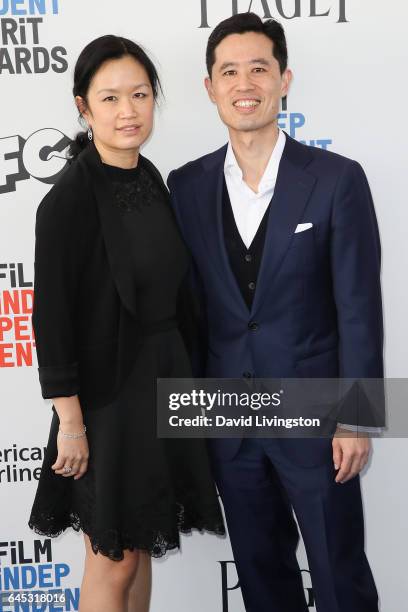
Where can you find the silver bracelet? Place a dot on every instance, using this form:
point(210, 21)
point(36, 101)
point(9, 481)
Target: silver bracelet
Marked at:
point(73, 436)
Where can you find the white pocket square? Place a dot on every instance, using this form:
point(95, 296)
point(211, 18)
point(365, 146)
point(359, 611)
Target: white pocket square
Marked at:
point(302, 227)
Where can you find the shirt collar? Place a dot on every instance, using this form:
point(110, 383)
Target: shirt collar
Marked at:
point(268, 181)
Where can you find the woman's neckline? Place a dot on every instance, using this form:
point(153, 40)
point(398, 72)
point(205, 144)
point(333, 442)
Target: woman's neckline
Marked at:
point(122, 174)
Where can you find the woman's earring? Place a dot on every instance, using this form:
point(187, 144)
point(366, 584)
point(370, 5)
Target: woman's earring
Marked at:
point(90, 134)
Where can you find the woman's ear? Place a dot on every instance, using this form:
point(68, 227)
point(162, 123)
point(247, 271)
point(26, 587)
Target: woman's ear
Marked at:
point(81, 106)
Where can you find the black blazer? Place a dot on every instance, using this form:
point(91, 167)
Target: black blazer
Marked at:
point(85, 314)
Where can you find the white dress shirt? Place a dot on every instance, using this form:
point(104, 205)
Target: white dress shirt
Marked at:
point(249, 207)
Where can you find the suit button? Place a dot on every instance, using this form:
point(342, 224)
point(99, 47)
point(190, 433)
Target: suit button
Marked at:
point(247, 375)
point(248, 257)
point(253, 326)
point(251, 286)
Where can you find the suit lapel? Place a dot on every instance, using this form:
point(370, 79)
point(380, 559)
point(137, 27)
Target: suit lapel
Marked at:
point(209, 194)
point(115, 239)
point(293, 188)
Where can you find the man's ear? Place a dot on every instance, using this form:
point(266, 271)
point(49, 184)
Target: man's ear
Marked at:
point(209, 88)
point(287, 77)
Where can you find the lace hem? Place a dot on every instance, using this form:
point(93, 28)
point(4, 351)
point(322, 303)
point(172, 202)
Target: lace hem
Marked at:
point(112, 542)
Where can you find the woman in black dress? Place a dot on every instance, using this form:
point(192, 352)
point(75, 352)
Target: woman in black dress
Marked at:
point(110, 271)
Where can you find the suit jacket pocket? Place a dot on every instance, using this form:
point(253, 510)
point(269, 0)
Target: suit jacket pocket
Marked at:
point(305, 239)
point(321, 365)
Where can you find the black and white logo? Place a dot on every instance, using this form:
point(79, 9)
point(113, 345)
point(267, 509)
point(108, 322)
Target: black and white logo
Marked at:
point(277, 9)
point(42, 156)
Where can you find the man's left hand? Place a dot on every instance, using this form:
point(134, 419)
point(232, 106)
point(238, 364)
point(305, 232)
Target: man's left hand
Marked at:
point(350, 453)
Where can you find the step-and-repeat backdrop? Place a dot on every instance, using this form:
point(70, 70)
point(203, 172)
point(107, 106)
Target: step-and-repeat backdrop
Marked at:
point(348, 95)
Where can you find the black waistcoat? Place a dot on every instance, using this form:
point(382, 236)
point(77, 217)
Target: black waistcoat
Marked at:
point(244, 262)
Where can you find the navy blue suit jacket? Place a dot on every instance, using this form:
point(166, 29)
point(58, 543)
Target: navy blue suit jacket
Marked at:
point(317, 305)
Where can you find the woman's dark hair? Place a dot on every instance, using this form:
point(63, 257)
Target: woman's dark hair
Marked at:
point(91, 59)
point(249, 22)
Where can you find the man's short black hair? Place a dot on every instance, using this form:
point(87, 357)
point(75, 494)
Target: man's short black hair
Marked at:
point(249, 22)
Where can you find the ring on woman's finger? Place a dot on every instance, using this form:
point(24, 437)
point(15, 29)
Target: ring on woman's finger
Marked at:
point(67, 469)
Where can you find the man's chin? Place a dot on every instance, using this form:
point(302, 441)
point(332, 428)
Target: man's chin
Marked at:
point(246, 125)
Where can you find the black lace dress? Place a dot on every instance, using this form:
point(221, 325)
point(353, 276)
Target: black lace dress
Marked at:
point(139, 491)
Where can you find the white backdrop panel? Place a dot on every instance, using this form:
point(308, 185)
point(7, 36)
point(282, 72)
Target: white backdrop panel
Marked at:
point(348, 89)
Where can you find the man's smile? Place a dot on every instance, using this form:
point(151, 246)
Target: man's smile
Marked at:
point(246, 104)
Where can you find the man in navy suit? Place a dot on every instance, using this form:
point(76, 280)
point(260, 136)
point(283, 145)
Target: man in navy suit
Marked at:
point(285, 243)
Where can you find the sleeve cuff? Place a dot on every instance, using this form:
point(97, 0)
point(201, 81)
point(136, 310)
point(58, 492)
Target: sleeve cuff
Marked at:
point(59, 381)
point(362, 428)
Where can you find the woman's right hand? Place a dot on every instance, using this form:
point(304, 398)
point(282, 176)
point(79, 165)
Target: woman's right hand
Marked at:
point(73, 453)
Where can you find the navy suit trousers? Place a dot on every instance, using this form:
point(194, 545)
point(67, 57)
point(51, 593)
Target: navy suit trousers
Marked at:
point(261, 489)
